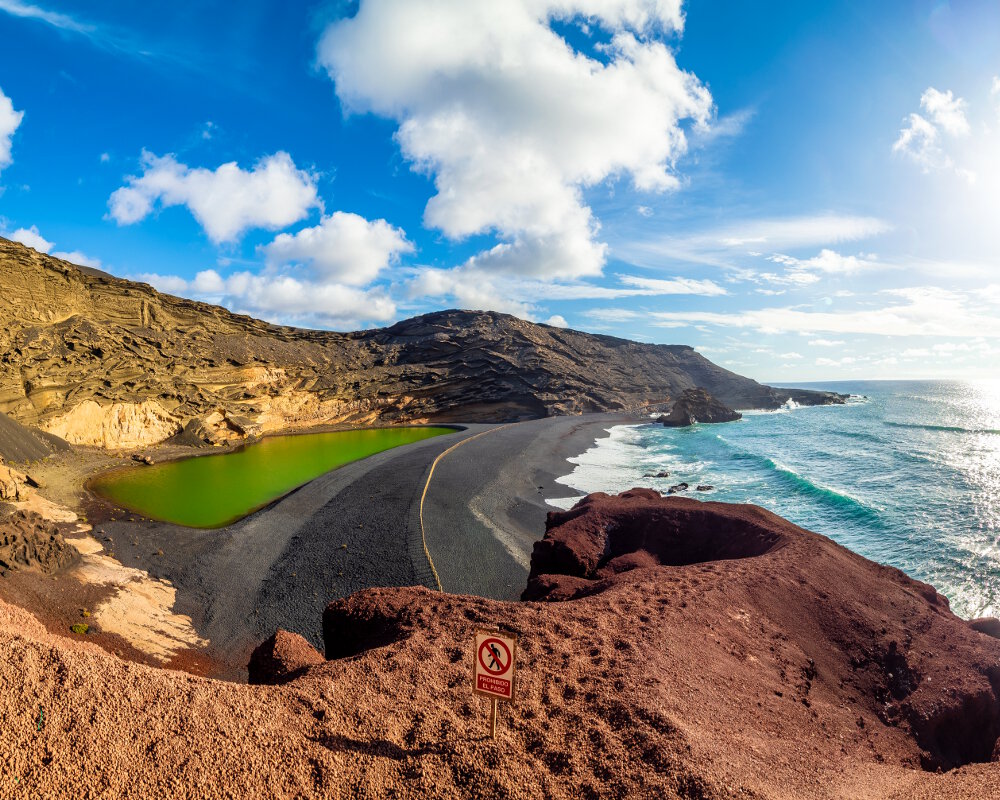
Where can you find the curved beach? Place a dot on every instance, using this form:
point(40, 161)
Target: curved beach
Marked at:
point(360, 526)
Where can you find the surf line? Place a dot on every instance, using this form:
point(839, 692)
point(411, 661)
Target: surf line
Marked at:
point(423, 496)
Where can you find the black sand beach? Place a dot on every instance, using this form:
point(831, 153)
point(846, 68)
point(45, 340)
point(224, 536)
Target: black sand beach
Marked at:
point(359, 526)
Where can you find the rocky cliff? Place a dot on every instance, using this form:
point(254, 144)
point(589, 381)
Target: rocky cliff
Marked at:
point(101, 361)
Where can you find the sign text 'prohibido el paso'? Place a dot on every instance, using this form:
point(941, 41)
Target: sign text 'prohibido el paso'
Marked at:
point(493, 668)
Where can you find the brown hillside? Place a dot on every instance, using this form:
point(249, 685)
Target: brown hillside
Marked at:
point(103, 361)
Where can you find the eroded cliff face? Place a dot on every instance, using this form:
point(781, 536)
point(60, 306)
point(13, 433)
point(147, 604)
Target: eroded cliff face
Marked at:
point(107, 362)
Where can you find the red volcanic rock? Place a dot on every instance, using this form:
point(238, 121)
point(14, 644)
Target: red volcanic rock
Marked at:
point(282, 658)
point(831, 626)
point(781, 666)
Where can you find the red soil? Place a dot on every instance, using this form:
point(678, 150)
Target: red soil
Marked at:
point(701, 651)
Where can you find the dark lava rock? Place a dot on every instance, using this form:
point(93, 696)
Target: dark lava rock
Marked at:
point(677, 487)
point(662, 474)
point(988, 625)
point(703, 487)
point(697, 405)
point(282, 658)
point(28, 541)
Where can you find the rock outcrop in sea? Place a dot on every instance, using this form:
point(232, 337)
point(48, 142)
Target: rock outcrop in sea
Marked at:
point(697, 405)
point(101, 361)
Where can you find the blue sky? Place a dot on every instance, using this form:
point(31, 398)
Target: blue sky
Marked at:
point(802, 191)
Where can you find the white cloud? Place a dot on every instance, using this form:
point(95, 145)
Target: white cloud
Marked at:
point(168, 284)
point(722, 246)
point(557, 321)
point(923, 140)
point(829, 261)
point(919, 311)
point(472, 287)
point(283, 297)
point(793, 277)
point(105, 158)
point(657, 286)
point(793, 232)
point(790, 356)
point(313, 277)
point(835, 362)
point(611, 314)
point(826, 342)
point(226, 201)
point(78, 258)
point(512, 123)
point(9, 122)
point(344, 248)
point(53, 18)
point(30, 237)
point(947, 111)
point(919, 140)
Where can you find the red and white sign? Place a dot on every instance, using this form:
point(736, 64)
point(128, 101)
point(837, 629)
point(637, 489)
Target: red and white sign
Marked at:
point(493, 670)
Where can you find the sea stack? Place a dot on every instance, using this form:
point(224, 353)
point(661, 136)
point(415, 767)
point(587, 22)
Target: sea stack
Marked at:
point(697, 405)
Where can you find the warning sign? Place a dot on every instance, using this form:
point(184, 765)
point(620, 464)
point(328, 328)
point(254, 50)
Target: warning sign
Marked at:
point(493, 670)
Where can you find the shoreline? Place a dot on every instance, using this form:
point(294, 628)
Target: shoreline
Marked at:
point(355, 527)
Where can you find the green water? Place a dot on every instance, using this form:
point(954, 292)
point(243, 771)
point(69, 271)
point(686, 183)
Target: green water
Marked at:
point(212, 491)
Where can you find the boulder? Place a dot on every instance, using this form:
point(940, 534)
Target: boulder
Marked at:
point(13, 484)
point(697, 405)
point(988, 625)
point(28, 541)
point(281, 658)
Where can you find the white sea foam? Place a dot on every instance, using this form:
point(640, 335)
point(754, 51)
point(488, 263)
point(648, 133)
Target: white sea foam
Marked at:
point(621, 461)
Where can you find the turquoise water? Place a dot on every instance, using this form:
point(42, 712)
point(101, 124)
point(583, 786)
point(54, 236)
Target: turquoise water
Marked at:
point(907, 473)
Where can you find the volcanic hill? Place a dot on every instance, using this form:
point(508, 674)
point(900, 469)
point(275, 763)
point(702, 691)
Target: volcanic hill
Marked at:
point(97, 360)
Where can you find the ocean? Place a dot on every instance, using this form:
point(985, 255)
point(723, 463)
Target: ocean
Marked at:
point(906, 473)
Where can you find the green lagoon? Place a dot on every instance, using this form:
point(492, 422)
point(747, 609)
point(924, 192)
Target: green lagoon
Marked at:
point(216, 490)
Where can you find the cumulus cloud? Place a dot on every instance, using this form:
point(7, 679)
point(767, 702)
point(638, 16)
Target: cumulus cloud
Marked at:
point(78, 258)
point(9, 122)
point(30, 237)
point(513, 123)
point(283, 297)
point(947, 111)
point(925, 139)
point(315, 276)
point(343, 247)
point(557, 321)
point(226, 201)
